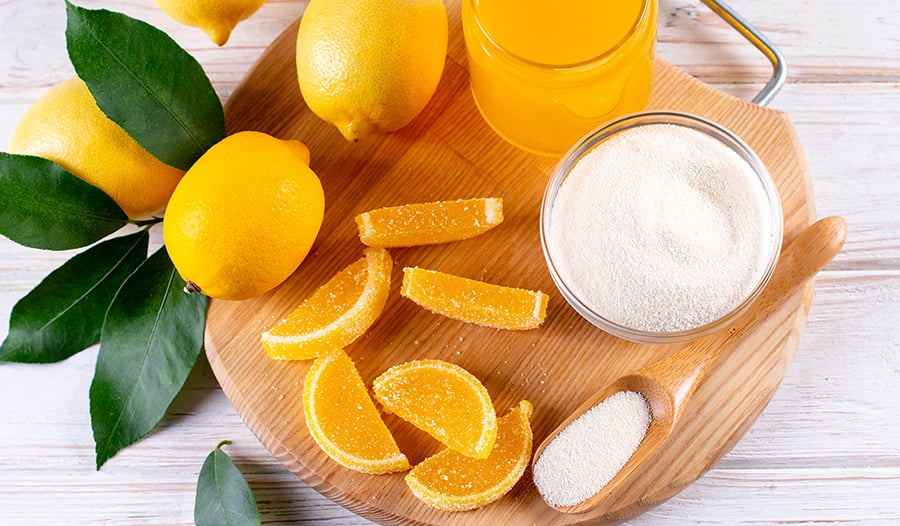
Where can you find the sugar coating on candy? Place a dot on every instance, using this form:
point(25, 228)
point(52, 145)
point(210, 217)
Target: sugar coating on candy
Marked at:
point(429, 223)
point(336, 314)
point(474, 301)
point(442, 399)
point(344, 421)
point(453, 482)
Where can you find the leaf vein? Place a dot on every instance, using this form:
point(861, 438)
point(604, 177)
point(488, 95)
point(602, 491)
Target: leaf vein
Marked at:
point(143, 359)
point(44, 204)
point(219, 487)
point(175, 116)
point(91, 289)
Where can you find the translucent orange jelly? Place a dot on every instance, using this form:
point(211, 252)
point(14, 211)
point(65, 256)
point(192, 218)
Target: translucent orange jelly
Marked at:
point(545, 73)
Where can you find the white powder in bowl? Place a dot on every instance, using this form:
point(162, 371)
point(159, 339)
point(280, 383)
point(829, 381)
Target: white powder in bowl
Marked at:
point(661, 228)
point(590, 451)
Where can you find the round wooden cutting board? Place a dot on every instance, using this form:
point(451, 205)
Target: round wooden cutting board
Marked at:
point(448, 152)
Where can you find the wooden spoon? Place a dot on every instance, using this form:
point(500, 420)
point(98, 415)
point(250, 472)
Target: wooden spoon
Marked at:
point(668, 384)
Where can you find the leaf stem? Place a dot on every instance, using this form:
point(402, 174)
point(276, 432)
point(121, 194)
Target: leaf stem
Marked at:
point(145, 222)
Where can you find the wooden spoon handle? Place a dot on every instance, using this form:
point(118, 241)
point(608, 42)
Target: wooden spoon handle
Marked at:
point(807, 254)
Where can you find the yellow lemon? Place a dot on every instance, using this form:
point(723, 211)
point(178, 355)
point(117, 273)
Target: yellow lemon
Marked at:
point(370, 65)
point(66, 126)
point(217, 18)
point(244, 216)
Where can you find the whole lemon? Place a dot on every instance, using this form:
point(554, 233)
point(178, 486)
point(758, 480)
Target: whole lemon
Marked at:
point(244, 216)
point(66, 126)
point(370, 65)
point(217, 18)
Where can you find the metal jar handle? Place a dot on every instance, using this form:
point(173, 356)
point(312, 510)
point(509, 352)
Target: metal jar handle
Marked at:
point(779, 68)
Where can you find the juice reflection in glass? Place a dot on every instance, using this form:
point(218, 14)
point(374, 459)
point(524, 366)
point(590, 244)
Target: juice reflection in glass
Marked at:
point(545, 73)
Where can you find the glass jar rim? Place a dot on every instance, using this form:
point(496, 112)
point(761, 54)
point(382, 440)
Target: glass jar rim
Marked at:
point(602, 57)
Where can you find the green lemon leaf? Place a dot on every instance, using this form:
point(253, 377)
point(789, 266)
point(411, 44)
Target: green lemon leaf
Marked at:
point(45, 206)
point(146, 83)
point(64, 313)
point(150, 340)
point(223, 495)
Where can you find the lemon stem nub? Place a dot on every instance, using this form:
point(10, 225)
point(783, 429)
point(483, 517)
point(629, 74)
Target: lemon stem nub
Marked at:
point(190, 287)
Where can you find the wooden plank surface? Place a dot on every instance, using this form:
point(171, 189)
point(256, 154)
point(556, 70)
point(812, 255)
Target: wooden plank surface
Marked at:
point(827, 448)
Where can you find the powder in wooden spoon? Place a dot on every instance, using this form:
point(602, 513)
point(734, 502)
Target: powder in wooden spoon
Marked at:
point(661, 228)
point(590, 451)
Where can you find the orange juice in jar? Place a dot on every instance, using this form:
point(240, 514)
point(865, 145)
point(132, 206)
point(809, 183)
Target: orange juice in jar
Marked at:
point(545, 73)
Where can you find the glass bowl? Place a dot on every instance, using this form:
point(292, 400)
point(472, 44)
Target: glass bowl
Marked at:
point(601, 134)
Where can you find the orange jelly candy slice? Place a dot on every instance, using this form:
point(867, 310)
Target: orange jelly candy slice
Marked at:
point(474, 301)
point(338, 313)
point(444, 400)
point(429, 223)
point(453, 482)
point(343, 419)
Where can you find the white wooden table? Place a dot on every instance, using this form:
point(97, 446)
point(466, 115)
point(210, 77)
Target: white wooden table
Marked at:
point(827, 448)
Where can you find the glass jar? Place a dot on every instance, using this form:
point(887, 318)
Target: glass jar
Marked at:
point(544, 74)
